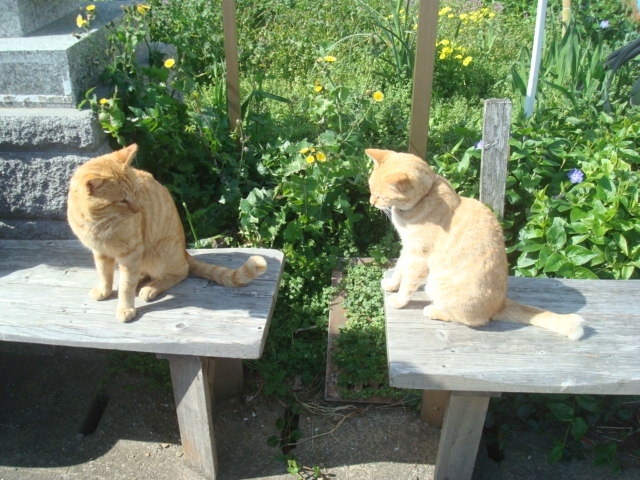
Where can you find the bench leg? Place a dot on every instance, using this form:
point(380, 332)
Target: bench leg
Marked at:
point(434, 406)
point(460, 436)
point(190, 377)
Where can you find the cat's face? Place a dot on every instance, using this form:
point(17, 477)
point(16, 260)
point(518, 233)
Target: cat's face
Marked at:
point(105, 186)
point(398, 180)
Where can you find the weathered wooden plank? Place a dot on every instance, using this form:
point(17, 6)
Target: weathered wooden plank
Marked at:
point(495, 153)
point(508, 357)
point(460, 436)
point(44, 298)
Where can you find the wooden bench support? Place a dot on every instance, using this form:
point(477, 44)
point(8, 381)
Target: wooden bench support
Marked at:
point(460, 437)
point(191, 389)
point(433, 356)
point(45, 300)
point(434, 406)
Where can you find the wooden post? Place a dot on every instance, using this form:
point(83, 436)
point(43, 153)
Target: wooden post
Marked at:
point(423, 76)
point(231, 59)
point(191, 389)
point(460, 438)
point(495, 153)
point(566, 15)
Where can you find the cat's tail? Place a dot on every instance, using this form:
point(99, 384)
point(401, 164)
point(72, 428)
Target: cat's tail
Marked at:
point(569, 325)
point(229, 277)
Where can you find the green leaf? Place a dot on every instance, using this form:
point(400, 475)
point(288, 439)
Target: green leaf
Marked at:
point(556, 453)
point(553, 262)
point(561, 411)
point(579, 428)
point(556, 234)
point(579, 255)
point(588, 403)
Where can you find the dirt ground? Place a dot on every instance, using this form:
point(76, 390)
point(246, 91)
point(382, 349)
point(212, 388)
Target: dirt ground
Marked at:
point(47, 392)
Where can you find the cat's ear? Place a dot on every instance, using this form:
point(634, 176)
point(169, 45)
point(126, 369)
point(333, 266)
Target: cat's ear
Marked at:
point(399, 182)
point(378, 156)
point(92, 184)
point(126, 155)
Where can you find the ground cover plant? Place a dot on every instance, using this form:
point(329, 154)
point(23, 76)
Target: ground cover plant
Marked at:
point(321, 84)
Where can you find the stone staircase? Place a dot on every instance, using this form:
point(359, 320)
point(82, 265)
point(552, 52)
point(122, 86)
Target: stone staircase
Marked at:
point(45, 71)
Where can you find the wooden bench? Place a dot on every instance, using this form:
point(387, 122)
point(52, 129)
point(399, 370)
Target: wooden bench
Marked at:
point(197, 325)
point(459, 368)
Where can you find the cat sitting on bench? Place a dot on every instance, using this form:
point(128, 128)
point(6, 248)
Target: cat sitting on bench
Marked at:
point(453, 243)
point(124, 215)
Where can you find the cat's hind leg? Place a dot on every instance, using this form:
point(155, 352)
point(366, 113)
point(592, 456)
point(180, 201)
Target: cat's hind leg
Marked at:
point(436, 312)
point(156, 286)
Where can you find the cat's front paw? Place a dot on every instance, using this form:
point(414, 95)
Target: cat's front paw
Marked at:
point(125, 314)
point(99, 294)
point(397, 301)
point(389, 285)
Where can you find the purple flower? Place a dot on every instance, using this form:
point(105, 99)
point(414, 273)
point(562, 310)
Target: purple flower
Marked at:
point(604, 24)
point(479, 144)
point(575, 175)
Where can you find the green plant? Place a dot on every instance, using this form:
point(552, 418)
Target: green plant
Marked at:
point(394, 36)
point(578, 226)
point(577, 426)
point(360, 352)
point(468, 36)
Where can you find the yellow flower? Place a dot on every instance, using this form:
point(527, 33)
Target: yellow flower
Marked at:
point(321, 157)
point(310, 159)
point(444, 11)
point(318, 88)
point(444, 42)
point(463, 16)
point(143, 8)
point(91, 8)
point(304, 151)
point(467, 61)
point(169, 63)
point(103, 101)
point(378, 96)
point(80, 21)
point(329, 59)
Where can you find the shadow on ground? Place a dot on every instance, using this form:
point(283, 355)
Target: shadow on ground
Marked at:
point(46, 394)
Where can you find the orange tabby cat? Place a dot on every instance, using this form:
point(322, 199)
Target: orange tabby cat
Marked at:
point(124, 215)
point(453, 243)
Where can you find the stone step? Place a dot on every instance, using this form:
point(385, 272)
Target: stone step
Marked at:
point(51, 67)
point(39, 150)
